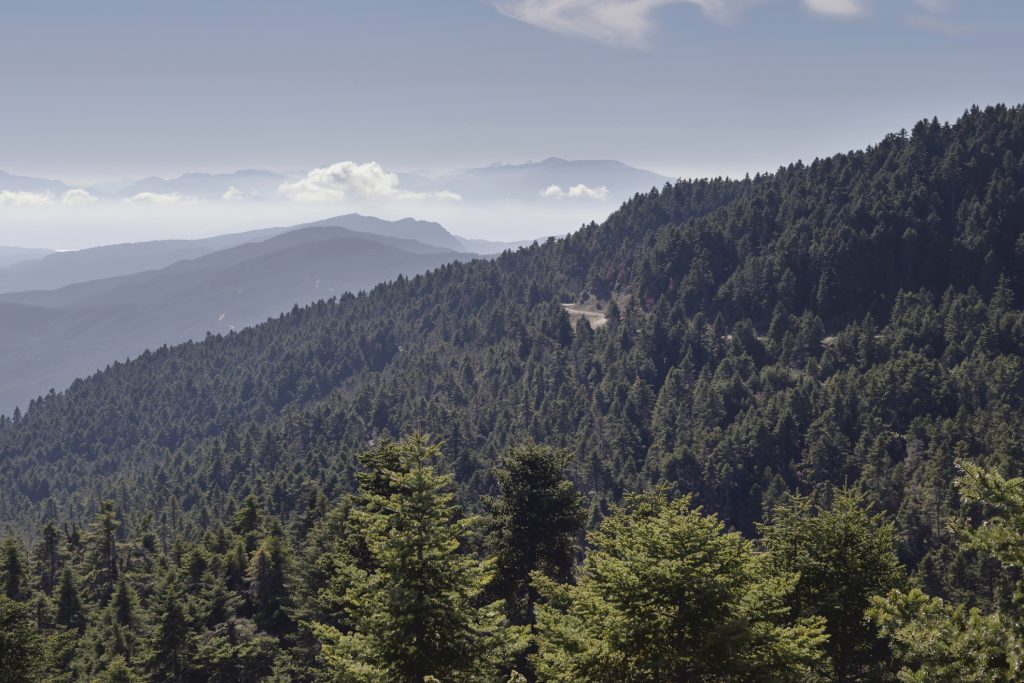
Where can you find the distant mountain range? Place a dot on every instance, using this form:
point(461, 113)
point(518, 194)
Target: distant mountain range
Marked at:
point(497, 182)
point(247, 183)
point(44, 269)
point(20, 183)
point(50, 336)
point(529, 181)
point(11, 255)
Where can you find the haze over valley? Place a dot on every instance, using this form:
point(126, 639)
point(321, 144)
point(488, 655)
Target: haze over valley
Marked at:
point(512, 341)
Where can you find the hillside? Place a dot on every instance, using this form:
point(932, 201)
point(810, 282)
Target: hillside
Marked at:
point(847, 320)
point(828, 360)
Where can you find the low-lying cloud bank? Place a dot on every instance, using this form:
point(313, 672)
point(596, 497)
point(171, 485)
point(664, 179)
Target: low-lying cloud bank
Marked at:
point(23, 198)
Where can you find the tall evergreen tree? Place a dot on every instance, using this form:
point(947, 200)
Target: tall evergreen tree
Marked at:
point(13, 571)
point(100, 541)
point(536, 519)
point(843, 555)
point(48, 560)
point(171, 642)
point(666, 595)
point(69, 603)
point(416, 614)
point(21, 648)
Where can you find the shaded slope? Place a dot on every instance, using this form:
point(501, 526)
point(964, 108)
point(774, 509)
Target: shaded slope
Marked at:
point(714, 378)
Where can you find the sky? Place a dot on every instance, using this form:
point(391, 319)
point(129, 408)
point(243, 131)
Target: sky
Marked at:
point(103, 90)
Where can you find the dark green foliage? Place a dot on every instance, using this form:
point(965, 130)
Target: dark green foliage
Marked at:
point(851, 322)
point(938, 641)
point(843, 556)
point(666, 595)
point(21, 648)
point(536, 521)
point(415, 614)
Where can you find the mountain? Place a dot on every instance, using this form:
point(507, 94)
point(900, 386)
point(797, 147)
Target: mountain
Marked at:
point(51, 337)
point(529, 181)
point(245, 183)
point(837, 300)
point(11, 255)
point(17, 183)
point(59, 269)
point(849, 330)
point(427, 232)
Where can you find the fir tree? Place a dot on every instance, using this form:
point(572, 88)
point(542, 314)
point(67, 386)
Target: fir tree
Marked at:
point(666, 595)
point(416, 614)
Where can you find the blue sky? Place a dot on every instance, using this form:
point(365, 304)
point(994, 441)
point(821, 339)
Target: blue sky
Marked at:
point(341, 94)
point(104, 89)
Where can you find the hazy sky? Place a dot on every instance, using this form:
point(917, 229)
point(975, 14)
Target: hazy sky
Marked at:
point(104, 89)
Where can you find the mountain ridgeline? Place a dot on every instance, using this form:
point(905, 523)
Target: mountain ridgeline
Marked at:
point(849, 331)
point(850, 320)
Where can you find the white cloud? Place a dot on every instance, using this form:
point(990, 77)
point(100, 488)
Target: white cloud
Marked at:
point(233, 193)
point(21, 198)
point(77, 196)
point(580, 191)
point(348, 179)
point(158, 198)
point(837, 8)
point(616, 22)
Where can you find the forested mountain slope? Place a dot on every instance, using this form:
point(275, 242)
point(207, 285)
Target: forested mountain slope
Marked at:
point(856, 319)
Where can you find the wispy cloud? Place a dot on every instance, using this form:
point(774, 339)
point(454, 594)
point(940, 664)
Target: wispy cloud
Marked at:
point(837, 8)
point(347, 179)
point(615, 22)
point(630, 22)
point(580, 191)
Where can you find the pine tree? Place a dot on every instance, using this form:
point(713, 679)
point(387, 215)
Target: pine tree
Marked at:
point(13, 572)
point(171, 643)
point(937, 641)
point(21, 648)
point(268, 590)
point(102, 553)
point(843, 555)
point(69, 604)
point(536, 518)
point(666, 595)
point(416, 613)
point(48, 559)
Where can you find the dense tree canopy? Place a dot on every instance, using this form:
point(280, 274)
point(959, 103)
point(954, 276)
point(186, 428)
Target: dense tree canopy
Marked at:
point(804, 355)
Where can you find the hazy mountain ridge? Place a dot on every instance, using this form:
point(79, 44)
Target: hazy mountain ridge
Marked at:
point(249, 183)
point(12, 255)
point(19, 183)
point(528, 181)
point(734, 285)
point(52, 337)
